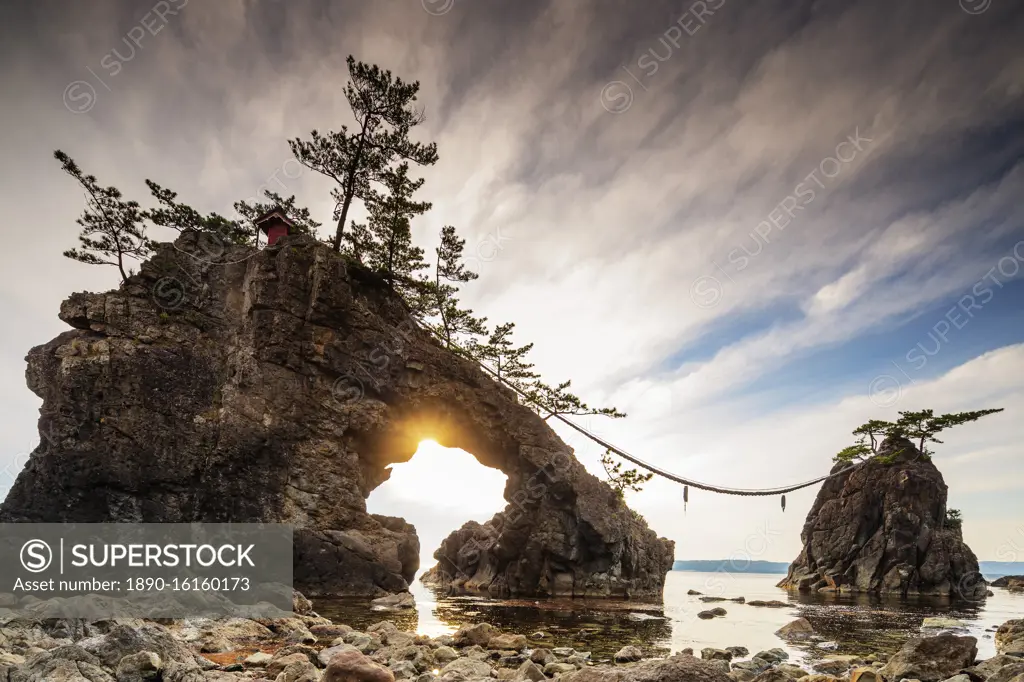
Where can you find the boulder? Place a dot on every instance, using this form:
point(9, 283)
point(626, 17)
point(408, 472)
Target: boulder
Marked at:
point(628, 654)
point(1010, 638)
point(508, 642)
point(713, 613)
point(1008, 581)
point(799, 629)
point(711, 654)
point(931, 659)
point(278, 385)
point(394, 602)
point(478, 634)
point(352, 666)
point(879, 527)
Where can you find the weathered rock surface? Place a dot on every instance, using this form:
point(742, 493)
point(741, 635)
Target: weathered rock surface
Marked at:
point(1012, 582)
point(881, 528)
point(278, 386)
point(678, 668)
point(931, 659)
point(1010, 638)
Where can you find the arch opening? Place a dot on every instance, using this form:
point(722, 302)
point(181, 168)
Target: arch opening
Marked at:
point(438, 490)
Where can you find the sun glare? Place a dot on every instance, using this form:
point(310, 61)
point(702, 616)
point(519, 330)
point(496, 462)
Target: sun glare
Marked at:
point(439, 489)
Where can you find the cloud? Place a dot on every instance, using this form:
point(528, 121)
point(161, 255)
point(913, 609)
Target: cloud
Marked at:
point(589, 228)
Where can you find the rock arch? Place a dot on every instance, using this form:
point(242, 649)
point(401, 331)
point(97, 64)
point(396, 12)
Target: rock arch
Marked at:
point(278, 386)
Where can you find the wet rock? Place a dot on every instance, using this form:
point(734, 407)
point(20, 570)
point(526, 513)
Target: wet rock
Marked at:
point(394, 602)
point(799, 629)
point(834, 666)
point(693, 592)
point(755, 665)
point(941, 623)
point(773, 604)
point(880, 528)
point(1010, 638)
point(711, 654)
point(932, 659)
point(445, 654)
point(713, 613)
point(479, 634)
point(628, 654)
point(775, 655)
point(738, 651)
point(1009, 581)
point(792, 671)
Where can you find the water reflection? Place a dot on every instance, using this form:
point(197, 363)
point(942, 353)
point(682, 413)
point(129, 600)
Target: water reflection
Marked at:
point(846, 624)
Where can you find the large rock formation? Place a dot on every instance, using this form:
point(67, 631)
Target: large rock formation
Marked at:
point(880, 527)
point(278, 385)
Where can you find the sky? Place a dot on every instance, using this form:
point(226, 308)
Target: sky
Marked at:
point(751, 228)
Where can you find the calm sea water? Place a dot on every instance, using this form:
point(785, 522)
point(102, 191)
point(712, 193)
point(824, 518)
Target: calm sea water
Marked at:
point(847, 625)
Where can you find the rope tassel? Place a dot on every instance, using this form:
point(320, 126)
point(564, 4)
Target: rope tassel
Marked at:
point(686, 497)
point(783, 503)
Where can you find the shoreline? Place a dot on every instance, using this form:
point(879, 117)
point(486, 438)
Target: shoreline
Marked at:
point(312, 648)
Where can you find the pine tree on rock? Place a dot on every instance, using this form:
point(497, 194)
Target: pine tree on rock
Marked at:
point(391, 252)
point(551, 400)
point(451, 323)
point(175, 215)
point(508, 361)
point(112, 229)
point(385, 113)
point(358, 242)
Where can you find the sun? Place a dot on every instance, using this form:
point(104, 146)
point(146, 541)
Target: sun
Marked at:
point(427, 444)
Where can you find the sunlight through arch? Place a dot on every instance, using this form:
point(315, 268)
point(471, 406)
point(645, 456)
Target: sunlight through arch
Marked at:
point(439, 490)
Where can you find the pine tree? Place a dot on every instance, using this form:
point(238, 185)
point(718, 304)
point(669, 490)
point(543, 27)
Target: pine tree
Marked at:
point(508, 361)
point(181, 217)
point(358, 242)
point(112, 229)
point(548, 401)
point(621, 481)
point(384, 111)
point(451, 322)
point(299, 215)
point(390, 251)
point(921, 426)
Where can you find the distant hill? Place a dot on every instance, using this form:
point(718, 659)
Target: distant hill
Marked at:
point(731, 566)
point(997, 569)
point(990, 569)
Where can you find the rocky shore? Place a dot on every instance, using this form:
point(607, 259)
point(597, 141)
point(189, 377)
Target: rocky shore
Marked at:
point(310, 648)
